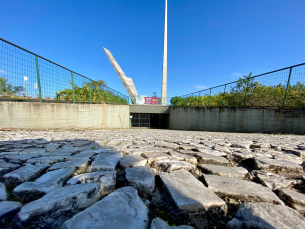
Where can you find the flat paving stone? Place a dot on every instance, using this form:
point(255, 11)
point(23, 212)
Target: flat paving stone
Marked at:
point(107, 180)
point(44, 184)
point(57, 204)
point(3, 193)
point(158, 223)
point(22, 157)
point(24, 173)
point(154, 156)
point(240, 190)
point(268, 216)
point(183, 157)
point(170, 164)
point(122, 208)
point(236, 172)
point(6, 167)
point(167, 145)
point(141, 178)
point(8, 210)
point(46, 160)
point(105, 161)
point(189, 194)
point(129, 161)
point(271, 180)
point(293, 199)
point(281, 167)
point(204, 158)
point(79, 166)
point(212, 152)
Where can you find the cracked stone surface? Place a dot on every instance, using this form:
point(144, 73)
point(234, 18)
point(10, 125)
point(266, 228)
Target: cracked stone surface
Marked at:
point(189, 194)
point(293, 199)
point(107, 180)
point(129, 161)
point(241, 189)
point(121, 209)
point(141, 178)
point(236, 172)
point(24, 173)
point(223, 171)
point(61, 200)
point(8, 209)
point(3, 193)
point(158, 223)
point(269, 216)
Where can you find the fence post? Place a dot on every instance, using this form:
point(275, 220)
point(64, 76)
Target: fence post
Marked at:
point(209, 98)
point(223, 95)
point(246, 94)
point(101, 90)
point(73, 95)
point(287, 87)
point(198, 99)
point(38, 78)
point(108, 94)
point(90, 91)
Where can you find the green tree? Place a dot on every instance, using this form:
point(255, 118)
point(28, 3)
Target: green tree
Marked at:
point(6, 89)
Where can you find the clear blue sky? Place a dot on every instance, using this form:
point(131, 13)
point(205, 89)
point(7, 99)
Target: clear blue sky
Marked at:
point(208, 41)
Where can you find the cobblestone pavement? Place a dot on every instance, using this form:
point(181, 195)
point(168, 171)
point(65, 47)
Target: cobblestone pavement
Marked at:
point(151, 178)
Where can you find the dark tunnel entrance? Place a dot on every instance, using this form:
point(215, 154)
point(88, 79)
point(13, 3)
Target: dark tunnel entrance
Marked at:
point(153, 121)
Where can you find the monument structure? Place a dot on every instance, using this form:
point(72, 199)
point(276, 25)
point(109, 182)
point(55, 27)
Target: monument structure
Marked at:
point(127, 82)
point(164, 73)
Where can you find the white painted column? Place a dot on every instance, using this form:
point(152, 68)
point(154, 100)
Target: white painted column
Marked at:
point(164, 73)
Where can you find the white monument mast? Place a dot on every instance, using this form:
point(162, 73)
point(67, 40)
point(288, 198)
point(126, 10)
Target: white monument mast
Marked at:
point(164, 73)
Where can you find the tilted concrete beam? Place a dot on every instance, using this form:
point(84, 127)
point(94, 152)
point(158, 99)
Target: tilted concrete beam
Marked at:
point(127, 82)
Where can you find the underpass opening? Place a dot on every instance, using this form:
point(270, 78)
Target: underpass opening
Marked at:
point(149, 120)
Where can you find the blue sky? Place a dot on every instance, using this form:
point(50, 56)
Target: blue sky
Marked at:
point(208, 41)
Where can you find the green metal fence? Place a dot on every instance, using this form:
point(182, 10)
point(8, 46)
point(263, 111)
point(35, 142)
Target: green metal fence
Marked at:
point(26, 76)
point(283, 88)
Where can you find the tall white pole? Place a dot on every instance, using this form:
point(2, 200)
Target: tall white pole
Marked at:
point(164, 73)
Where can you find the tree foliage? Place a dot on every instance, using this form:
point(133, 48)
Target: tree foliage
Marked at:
point(6, 89)
point(250, 93)
point(99, 93)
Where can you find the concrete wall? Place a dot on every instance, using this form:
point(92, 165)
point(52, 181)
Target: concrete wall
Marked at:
point(150, 109)
point(238, 120)
point(56, 115)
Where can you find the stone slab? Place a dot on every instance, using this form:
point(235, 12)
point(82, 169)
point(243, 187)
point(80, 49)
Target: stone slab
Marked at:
point(44, 184)
point(271, 180)
point(281, 167)
point(3, 193)
point(268, 216)
point(107, 180)
point(236, 172)
point(24, 173)
point(154, 156)
point(79, 166)
point(129, 161)
point(170, 164)
point(204, 158)
point(189, 194)
point(293, 199)
point(6, 167)
point(158, 223)
point(8, 209)
point(121, 209)
point(105, 161)
point(141, 178)
point(50, 210)
point(183, 157)
point(240, 190)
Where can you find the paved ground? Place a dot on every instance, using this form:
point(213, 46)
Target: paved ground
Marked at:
point(157, 178)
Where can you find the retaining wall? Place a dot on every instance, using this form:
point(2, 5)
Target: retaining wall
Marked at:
point(238, 120)
point(35, 115)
